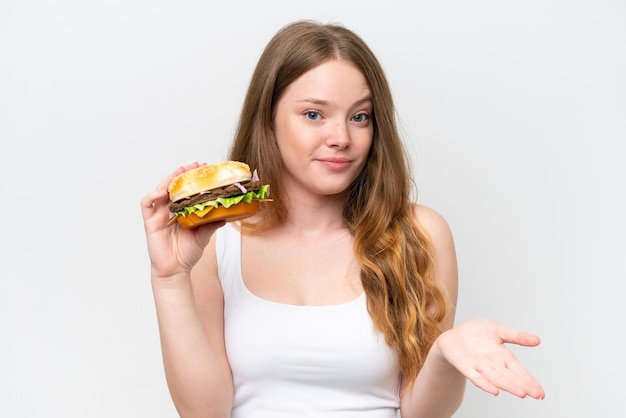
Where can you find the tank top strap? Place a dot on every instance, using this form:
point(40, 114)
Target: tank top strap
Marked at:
point(228, 254)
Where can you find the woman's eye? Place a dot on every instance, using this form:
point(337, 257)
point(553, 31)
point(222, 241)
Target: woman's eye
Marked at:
point(361, 117)
point(312, 115)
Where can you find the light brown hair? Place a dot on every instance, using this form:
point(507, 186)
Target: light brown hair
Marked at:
point(394, 252)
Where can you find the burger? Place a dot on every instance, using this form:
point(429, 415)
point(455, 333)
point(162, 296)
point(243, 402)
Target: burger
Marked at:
point(223, 191)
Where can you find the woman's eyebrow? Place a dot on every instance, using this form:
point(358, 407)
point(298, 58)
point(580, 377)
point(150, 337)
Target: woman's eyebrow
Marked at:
point(322, 102)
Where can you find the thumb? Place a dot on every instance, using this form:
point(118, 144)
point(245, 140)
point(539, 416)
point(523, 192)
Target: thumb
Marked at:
point(514, 336)
point(205, 232)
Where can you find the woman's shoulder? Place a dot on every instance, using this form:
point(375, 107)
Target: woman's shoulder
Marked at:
point(432, 221)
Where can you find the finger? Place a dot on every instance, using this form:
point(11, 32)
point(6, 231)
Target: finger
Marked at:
point(481, 382)
point(520, 386)
point(152, 199)
point(514, 336)
point(507, 373)
point(536, 391)
point(527, 339)
point(155, 208)
point(157, 200)
point(167, 180)
point(526, 380)
point(506, 380)
point(204, 232)
point(161, 191)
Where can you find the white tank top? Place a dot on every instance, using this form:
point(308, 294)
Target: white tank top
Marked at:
point(302, 361)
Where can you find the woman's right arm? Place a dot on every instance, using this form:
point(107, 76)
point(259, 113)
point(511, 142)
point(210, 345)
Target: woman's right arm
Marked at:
point(189, 306)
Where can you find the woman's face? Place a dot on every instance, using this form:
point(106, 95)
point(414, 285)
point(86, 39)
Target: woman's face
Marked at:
point(323, 128)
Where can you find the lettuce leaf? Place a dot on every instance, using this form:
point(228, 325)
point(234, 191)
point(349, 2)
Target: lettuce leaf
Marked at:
point(248, 197)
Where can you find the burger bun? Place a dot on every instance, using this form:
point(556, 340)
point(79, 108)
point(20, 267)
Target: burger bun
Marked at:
point(207, 177)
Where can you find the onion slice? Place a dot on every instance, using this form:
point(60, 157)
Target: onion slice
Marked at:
point(243, 189)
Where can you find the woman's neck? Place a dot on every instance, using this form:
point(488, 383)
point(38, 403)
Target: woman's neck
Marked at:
point(315, 216)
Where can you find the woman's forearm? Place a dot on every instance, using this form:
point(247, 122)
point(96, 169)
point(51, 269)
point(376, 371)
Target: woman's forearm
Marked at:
point(438, 390)
point(198, 381)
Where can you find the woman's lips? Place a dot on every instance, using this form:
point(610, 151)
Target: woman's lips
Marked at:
point(336, 164)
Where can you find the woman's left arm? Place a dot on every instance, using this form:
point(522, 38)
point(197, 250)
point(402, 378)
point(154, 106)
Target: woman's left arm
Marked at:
point(474, 349)
point(439, 387)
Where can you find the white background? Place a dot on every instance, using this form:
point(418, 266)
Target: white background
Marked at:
point(514, 112)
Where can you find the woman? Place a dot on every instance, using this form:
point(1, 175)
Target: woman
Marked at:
point(338, 298)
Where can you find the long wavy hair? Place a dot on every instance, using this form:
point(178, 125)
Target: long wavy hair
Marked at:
point(394, 251)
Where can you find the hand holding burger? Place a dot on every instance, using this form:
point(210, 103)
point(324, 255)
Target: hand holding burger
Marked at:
point(223, 191)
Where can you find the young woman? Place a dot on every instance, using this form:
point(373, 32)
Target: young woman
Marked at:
point(337, 299)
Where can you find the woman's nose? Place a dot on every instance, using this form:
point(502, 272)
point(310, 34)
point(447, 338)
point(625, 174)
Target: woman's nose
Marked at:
point(340, 136)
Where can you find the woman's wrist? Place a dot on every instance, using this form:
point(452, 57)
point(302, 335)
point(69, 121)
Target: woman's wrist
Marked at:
point(174, 281)
point(437, 354)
